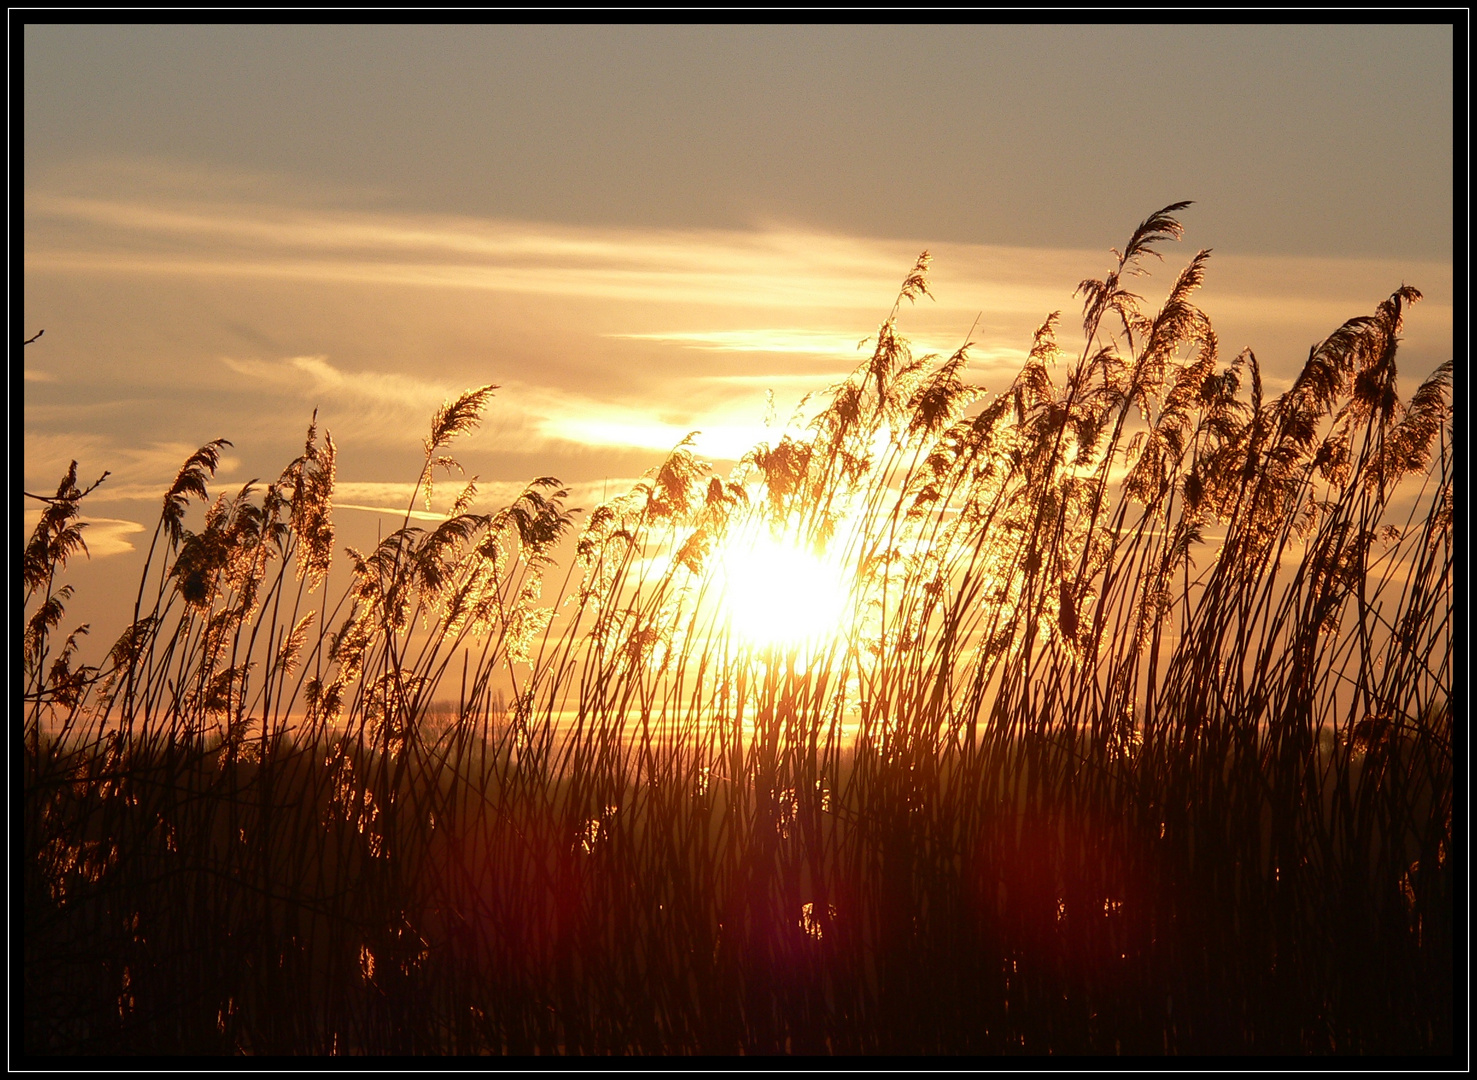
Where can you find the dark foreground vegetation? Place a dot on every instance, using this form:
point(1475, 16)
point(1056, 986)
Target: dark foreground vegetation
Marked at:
point(1135, 736)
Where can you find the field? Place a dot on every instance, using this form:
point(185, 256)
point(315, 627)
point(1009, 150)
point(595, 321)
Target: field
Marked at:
point(1113, 717)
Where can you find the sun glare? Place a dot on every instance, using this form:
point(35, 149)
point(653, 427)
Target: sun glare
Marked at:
point(777, 592)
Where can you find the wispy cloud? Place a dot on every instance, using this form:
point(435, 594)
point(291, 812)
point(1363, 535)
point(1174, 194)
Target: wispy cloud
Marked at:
point(843, 351)
point(393, 511)
point(159, 220)
point(137, 471)
point(314, 376)
point(792, 340)
point(108, 536)
point(774, 267)
point(625, 339)
point(103, 536)
point(727, 429)
point(391, 499)
point(724, 441)
point(69, 233)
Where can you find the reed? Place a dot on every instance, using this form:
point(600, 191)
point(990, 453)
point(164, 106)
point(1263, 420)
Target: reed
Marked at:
point(1132, 736)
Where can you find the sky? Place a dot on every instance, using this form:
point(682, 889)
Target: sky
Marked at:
point(637, 232)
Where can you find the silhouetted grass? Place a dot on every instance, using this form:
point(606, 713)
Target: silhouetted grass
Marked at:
point(1135, 736)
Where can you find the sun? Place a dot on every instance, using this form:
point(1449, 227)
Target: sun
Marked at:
point(777, 592)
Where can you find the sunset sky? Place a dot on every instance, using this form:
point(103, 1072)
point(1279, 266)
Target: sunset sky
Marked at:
point(638, 232)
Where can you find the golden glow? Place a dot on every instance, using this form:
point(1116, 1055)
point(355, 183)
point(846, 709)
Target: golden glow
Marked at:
point(777, 592)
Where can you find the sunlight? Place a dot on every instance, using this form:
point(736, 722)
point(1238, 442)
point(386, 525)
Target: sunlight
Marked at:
point(778, 592)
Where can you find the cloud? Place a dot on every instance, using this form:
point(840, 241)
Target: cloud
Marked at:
point(182, 224)
point(393, 511)
point(785, 341)
point(392, 498)
point(311, 376)
point(135, 471)
point(726, 441)
point(103, 536)
point(851, 350)
point(106, 536)
point(49, 453)
point(641, 336)
point(775, 266)
point(374, 406)
point(728, 429)
point(373, 492)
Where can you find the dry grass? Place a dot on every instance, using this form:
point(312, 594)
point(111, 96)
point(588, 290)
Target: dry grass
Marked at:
point(1135, 736)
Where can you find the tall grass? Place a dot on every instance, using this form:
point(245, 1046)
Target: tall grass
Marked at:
point(1134, 735)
